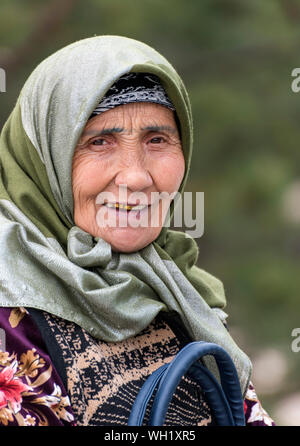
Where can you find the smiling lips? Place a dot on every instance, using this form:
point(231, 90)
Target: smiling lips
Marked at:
point(126, 207)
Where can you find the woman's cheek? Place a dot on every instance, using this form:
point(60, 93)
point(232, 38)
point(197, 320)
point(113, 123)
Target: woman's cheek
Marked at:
point(170, 173)
point(85, 174)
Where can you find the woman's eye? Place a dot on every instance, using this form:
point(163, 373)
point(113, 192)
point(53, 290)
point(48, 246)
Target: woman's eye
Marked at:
point(99, 142)
point(157, 140)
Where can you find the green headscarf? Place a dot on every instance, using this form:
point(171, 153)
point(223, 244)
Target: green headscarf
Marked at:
point(49, 263)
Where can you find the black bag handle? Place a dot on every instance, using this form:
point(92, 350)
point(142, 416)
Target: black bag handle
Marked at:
point(225, 400)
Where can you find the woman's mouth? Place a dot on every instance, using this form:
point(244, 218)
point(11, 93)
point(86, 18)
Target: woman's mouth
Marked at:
point(124, 215)
point(126, 207)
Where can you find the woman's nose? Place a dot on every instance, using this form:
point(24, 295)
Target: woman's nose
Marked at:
point(135, 177)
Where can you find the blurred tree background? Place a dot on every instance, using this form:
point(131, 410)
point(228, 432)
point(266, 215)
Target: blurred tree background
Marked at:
point(236, 58)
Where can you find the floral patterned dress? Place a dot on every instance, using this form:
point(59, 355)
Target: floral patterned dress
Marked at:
point(53, 373)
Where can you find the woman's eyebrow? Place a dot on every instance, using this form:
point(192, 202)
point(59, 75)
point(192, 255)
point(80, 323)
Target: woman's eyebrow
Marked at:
point(103, 131)
point(160, 128)
point(151, 128)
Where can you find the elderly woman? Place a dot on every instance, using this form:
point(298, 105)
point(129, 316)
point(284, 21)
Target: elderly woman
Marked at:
point(92, 301)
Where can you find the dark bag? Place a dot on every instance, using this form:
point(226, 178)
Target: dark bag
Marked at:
point(225, 399)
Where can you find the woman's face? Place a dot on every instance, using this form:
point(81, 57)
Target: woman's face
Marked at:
point(130, 154)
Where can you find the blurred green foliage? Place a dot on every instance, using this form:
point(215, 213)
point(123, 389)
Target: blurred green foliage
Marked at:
point(236, 58)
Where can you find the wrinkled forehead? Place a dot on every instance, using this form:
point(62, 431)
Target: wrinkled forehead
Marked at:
point(130, 119)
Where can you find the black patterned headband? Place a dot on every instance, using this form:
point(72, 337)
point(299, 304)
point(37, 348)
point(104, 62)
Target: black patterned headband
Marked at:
point(134, 87)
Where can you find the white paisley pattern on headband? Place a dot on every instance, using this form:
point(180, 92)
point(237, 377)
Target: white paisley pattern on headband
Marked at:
point(134, 87)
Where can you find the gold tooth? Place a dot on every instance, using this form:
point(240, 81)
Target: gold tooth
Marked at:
point(122, 206)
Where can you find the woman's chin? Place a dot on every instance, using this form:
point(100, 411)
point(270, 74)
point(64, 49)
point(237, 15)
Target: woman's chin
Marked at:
point(130, 239)
point(123, 239)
